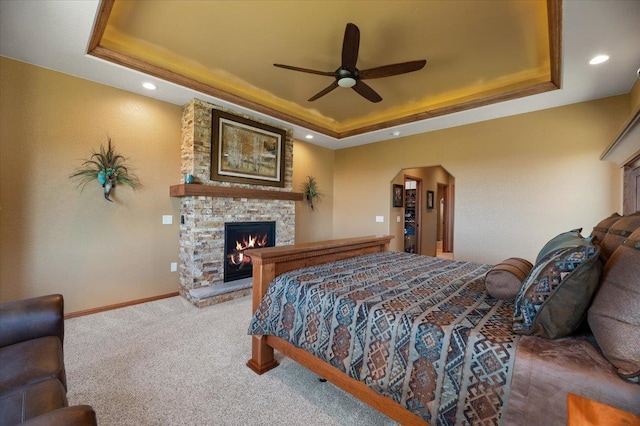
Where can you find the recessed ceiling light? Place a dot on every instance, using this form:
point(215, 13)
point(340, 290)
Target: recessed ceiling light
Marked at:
point(599, 59)
point(309, 136)
point(149, 86)
point(395, 133)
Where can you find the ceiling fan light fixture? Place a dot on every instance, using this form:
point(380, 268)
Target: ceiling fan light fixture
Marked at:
point(347, 82)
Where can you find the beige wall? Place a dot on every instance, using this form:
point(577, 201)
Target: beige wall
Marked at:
point(519, 180)
point(312, 160)
point(55, 238)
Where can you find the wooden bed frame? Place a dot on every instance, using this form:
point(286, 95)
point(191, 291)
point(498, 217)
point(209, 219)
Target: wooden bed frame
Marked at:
point(270, 262)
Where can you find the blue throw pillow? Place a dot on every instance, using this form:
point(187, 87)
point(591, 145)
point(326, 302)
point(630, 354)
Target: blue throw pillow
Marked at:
point(556, 294)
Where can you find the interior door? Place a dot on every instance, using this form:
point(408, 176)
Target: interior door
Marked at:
point(631, 199)
point(447, 238)
point(636, 181)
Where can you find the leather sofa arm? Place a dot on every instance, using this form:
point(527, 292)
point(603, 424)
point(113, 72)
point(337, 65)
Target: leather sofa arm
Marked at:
point(27, 319)
point(76, 415)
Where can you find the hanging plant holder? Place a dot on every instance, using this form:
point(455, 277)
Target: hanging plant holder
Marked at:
point(108, 169)
point(311, 191)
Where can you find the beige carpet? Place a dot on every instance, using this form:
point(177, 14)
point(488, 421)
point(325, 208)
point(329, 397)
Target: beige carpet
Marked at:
point(169, 363)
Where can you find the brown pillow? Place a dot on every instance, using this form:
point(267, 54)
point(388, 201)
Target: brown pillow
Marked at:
point(601, 229)
point(504, 280)
point(614, 316)
point(620, 230)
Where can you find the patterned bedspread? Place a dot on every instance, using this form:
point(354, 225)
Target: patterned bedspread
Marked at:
point(418, 329)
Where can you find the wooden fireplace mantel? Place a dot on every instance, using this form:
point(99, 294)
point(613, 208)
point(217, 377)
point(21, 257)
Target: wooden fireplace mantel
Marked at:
point(191, 190)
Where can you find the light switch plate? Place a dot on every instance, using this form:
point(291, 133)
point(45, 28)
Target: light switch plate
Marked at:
point(379, 218)
point(174, 266)
point(167, 219)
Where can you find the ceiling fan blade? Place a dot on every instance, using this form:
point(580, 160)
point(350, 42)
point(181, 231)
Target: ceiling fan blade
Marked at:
point(350, 46)
point(289, 67)
point(394, 69)
point(324, 91)
point(366, 91)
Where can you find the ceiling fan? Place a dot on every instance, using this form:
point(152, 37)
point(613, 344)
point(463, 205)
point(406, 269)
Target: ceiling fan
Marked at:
point(347, 75)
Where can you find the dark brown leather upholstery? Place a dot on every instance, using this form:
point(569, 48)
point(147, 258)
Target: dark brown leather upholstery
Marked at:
point(33, 382)
point(30, 362)
point(28, 319)
point(77, 415)
point(27, 402)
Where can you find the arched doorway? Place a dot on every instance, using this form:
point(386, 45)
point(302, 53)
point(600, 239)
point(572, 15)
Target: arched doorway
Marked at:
point(433, 189)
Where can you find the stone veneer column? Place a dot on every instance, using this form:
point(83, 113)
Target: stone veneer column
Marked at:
point(202, 233)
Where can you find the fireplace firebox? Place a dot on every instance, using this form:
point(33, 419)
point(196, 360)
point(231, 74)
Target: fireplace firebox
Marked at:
point(240, 236)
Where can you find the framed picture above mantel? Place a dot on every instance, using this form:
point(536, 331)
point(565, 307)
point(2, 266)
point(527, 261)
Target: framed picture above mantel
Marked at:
point(245, 151)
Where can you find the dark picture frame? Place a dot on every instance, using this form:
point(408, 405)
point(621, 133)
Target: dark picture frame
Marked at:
point(245, 151)
point(397, 195)
point(430, 199)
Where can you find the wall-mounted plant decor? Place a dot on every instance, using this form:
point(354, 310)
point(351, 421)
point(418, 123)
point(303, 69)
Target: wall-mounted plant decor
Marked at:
point(310, 190)
point(108, 169)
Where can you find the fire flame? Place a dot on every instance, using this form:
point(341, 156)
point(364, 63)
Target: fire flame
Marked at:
point(238, 257)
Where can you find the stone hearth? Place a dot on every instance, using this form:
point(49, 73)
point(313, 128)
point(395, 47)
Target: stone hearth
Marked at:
point(203, 217)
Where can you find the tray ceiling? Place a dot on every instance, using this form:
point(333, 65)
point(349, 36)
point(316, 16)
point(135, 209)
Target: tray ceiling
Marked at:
point(477, 52)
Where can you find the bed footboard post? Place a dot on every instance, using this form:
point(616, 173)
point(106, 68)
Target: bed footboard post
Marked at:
point(261, 354)
point(262, 359)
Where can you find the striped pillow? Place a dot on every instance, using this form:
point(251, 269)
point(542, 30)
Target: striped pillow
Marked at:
point(505, 279)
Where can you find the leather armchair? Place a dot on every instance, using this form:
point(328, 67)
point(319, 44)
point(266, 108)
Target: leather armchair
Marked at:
point(33, 382)
point(28, 319)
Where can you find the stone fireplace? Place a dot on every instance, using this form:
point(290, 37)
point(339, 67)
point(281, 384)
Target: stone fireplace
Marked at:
point(207, 205)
